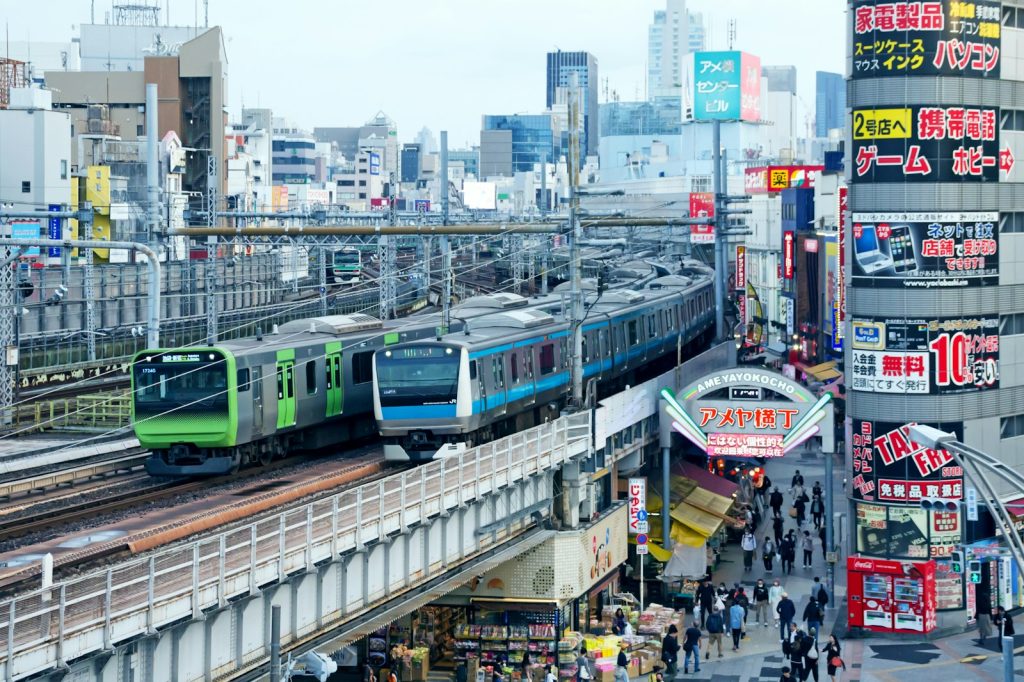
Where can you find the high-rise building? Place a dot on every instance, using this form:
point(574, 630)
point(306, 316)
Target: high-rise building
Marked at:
point(934, 327)
point(560, 66)
point(829, 102)
point(671, 36)
point(411, 161)
point(513, 144)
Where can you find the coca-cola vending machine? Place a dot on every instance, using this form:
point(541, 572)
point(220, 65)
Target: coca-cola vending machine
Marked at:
point(891, 596)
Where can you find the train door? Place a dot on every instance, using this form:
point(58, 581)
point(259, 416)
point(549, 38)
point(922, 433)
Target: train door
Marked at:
point(475, 373)
point(335, 386)
point(256, 384)
point(285, 389)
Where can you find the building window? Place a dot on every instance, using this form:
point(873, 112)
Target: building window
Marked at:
point(139, 130)
point(1011, 325)
point(362, 183)
point(1011, 222)
point(1011, 427)
point(26, 186)
point(700, 183)
point(362, 195)
point(63, 169)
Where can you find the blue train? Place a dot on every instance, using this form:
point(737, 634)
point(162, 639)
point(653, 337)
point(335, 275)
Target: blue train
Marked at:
point(509, 368)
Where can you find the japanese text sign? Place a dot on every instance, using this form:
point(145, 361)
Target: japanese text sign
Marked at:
point(702, 205)
point(889, 466)
point(727, 86)
point(741, 267)
point(772, 179)
point(925, 356)
point(925, 250)
point(788, 254)
point(637, 504)
point(927, 144)
point(926, 38)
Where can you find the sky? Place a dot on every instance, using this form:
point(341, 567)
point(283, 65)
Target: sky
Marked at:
point(444, 63)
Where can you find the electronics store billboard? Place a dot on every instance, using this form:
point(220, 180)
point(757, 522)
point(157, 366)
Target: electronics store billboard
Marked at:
point(927, 144)
point(929, 38)
point(925, 356)
point(925, 250)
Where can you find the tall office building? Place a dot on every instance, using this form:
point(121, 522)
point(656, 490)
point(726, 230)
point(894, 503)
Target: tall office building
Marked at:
point(560, 66)
point(934, 312)
point(829, 102)
point(673, 34)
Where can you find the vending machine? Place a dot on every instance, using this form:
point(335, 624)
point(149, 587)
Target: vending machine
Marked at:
point(891, 596)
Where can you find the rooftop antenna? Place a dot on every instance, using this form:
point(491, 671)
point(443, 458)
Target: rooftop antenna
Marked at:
point(731, 32)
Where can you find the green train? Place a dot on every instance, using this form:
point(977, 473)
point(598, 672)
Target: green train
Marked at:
point(308, 385)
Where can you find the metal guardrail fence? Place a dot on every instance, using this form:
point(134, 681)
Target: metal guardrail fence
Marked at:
point(42, 629)
point(92, 412)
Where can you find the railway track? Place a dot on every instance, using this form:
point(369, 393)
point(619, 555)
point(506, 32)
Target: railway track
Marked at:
point(54, 475)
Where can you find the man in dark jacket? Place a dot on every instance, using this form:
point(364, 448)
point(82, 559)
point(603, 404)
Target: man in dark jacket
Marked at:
point(761, 603)
point(775, 502)
point(716, 629)
point(706, 599)
point(777, 529)
point(787, 612)
point(812, 615)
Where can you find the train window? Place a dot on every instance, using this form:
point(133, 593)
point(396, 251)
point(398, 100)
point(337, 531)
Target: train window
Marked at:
point(547, 359)
point(310, 377)
point(472, 369)
point(362, 367)
point(528, 362)
point(498, 370)
point(290, 381)
point(280, 383)
point(586, 357)
point(652, 328)
point(514, 364)
point(243, 380)
point(337, 371)
point(634, 337)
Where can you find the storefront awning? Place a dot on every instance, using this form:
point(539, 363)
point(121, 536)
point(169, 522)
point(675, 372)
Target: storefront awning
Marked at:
point(409, 601)
point(824, 371)
point(1015, 506)
point(704, 522)
point(705, 479)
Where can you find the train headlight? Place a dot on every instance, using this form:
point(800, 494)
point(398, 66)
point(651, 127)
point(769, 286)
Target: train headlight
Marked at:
point(387, 354)
point(448, 351)
point(212, 356)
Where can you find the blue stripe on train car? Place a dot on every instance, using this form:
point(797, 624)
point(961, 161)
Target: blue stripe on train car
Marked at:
point(490, 351)
point(418, 412)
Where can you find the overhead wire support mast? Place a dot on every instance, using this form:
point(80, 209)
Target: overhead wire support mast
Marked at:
point(445, 247)
point(575, 265)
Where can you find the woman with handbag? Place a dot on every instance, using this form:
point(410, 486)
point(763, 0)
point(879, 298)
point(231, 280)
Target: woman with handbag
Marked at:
point(832, 655)
point(584, 668)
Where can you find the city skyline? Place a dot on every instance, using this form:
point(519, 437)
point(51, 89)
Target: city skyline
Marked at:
point(461, 80)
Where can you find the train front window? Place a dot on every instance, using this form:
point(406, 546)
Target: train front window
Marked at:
point(417, 375)
point(182, 382)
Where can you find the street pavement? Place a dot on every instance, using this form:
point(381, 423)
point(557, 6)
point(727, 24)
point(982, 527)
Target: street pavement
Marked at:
point(873, 659)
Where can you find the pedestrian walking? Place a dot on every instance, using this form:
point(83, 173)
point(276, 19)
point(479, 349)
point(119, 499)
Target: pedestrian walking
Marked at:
point(706, 599)
point(801, 511)
point(821, 534)
point(749, 545)
point(774, 597)
point(736, 615)
point(798, 479)
point(584, 666)
point(808, 546)
point(813, 615)
point(716, 628)
point(788, 549)
point(833, 657)
point(670, 651)
point(743, 600)
point(775, 502)
point(819, 592)
point(622, 667)
point(691, 647)
point(984, 616)
point(761, 603)
point(787, 612)
point(768, 554)
point(811, 655)
point(1003, 622)
point(777, 528)
point(817, 511)
point(797, 651)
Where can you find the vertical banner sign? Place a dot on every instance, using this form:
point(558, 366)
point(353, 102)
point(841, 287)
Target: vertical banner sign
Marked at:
point(841, 291)
point(637, 505)
point(702, 205)
point(790, 309)
point(53, 232)
point(971, 497)
point(741, 267)
point(788, 250)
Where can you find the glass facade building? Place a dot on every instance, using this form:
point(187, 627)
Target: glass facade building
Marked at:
point(533, 138)
point(293, 161)
point(829, 102)
point(560, 66)
point(657, 117)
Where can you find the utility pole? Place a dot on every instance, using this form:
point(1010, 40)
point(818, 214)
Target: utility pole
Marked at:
point(446, 251)
point(153, 207)
point(721, 223)
point(211, 250)
point(575, 265)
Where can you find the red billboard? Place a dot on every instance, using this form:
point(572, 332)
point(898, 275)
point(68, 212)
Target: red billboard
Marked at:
point(702, 205)
point(788, 257)
point(771, 179)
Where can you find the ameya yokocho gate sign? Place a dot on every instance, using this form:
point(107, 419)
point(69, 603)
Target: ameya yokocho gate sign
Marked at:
point(749, 412)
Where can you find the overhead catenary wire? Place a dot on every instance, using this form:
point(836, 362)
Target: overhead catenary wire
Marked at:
point(104, 402)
